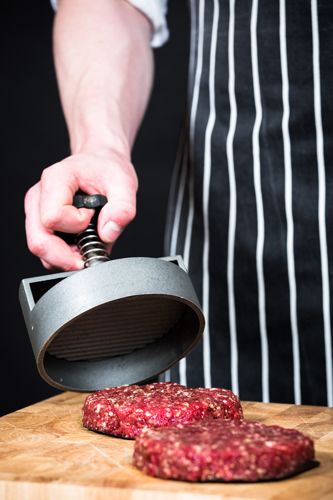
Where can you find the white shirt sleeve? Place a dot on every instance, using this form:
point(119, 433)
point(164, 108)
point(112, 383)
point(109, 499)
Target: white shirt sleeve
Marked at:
point(156, 11)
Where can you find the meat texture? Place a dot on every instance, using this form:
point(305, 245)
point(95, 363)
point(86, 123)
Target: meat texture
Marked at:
point(218, 450)
point(123, 411)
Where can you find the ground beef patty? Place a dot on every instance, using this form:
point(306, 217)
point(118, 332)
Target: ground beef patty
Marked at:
point(125, 410)
point(218, 450)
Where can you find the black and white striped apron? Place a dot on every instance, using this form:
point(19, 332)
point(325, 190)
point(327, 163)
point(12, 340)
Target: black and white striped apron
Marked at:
point(251, 204)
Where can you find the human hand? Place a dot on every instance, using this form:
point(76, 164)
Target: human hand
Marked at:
point(49, 205)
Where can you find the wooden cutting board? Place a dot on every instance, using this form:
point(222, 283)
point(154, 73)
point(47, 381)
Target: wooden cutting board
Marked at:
point(45, 453)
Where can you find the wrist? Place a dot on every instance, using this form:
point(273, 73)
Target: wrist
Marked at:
point(104, 144)
point(99, 124)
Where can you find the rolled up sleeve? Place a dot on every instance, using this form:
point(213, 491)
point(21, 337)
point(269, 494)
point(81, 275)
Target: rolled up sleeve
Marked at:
point(155, 11)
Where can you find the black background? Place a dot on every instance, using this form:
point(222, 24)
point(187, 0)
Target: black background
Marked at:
point(34, 135)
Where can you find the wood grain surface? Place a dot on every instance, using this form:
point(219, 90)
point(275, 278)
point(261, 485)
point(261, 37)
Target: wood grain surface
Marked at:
point(45, 453)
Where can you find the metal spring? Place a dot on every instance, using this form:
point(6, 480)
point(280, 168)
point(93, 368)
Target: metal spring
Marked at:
point(92, 249)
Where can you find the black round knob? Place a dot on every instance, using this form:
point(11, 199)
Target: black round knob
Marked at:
point(89, 200)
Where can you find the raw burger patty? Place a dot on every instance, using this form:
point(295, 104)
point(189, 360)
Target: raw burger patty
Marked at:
point(125, 410)
point(217, 450)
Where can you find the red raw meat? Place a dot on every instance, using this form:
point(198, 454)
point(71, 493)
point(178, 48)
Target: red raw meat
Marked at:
point(123, 411)
point(218, 450)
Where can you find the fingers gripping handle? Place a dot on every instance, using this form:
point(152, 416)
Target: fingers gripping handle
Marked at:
point(91, 247)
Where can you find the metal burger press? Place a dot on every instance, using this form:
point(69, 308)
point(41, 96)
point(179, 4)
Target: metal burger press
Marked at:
point(116, 322)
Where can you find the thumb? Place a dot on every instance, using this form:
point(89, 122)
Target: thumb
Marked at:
point(115, 216)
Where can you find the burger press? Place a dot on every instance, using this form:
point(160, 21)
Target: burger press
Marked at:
point(115, 322)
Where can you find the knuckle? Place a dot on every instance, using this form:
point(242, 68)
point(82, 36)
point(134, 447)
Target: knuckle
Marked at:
point(50, 220)
point(27, 200)
point(45, 175)
point(37, 246)
point(30, 195)
point(50, 172)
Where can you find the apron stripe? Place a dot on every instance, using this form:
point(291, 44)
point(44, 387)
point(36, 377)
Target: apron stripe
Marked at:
point(233, 200)
point(193, 45)
point(259, 203)
point(193, 116)
point(174, 240)
point(173, 192)
point(288, 204)
point(179, 204)
point(322, 201)
point(197, 77)
point(186, 253)
point(182, 363)
point(206, 187)
point(173, 216)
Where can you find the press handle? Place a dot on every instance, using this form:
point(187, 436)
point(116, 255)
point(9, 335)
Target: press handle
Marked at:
point(92, 249)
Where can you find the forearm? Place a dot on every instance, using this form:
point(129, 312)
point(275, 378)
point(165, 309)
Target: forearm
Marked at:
point(104, 69)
